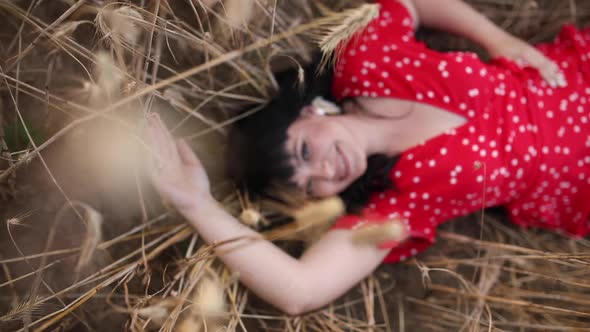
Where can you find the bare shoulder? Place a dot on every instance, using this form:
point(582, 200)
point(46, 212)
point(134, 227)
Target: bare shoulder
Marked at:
point(384, 107)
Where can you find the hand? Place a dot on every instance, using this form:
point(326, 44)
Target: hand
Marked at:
point(524, 54)
point(176, 172)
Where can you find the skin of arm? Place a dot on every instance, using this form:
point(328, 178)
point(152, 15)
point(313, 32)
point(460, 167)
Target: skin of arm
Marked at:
point(331, 266)
point(324, 272)
point(457, 17)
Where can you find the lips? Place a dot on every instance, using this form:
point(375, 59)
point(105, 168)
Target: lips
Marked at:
point(343, 165)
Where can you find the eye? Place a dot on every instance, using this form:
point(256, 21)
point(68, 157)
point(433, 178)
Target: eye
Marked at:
point(306, 156)
point(305, 152)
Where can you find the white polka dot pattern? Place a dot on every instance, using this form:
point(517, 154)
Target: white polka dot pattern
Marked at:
point(525, 145)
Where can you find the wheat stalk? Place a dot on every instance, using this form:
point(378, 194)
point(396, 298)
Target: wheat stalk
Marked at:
point(338, 29)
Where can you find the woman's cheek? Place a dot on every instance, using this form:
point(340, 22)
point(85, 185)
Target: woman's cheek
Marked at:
point(327, 189)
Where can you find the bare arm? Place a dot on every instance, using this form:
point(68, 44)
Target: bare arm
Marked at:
point(327, 270)
point(457, 17)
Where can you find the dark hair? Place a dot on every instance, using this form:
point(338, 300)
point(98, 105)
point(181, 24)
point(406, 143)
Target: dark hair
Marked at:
point(257, 158)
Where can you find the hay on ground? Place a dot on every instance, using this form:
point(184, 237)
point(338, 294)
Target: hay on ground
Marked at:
point(77, 79)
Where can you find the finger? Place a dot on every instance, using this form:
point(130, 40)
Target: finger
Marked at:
point(156, 137)
point(561, 80)
point(186, 153)
point(163, 135)
point(166, 142)
point(547, 68)
point(166, 134)
point(560, 76)
point(549, 71)
point(163, 154)
point(552, 74)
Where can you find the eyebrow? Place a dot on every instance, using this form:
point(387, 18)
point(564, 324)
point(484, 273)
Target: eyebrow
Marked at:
point(295, 150)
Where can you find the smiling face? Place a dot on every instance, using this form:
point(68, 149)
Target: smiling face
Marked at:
point(325, 155)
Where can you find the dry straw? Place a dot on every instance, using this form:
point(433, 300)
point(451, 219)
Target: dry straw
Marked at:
point(374, 234)
point(68, 63)
point(239, 12)
point(310, 220)
point(119, 24)
point(342, 27)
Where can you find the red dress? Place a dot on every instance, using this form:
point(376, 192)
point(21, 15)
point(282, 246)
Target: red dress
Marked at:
point(525, 145)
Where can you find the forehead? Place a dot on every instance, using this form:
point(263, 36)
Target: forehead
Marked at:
point(300, 123)
point(305, 123)
point(294, 134)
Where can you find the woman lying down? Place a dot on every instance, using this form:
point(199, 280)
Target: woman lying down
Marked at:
point(411, 134)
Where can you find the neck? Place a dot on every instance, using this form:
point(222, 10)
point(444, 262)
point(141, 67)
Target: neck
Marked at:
point(380, 135)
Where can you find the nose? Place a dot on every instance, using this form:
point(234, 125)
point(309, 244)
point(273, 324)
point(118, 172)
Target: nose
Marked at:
point(323, 170)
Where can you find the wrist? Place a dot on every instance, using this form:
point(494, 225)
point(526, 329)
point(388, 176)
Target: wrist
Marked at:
point(199, 206)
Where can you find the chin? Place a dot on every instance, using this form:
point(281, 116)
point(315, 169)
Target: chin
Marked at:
point(360, 170)
point(347, 183)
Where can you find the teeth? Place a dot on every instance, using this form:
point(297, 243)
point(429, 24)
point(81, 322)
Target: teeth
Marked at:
point(341, 171)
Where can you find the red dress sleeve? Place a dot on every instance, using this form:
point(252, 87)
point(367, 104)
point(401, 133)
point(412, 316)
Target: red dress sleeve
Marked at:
point(389, 205)
point(396, 17)
point(369, 63)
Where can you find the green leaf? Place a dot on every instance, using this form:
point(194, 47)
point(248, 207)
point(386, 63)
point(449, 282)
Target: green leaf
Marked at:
point(16, 136)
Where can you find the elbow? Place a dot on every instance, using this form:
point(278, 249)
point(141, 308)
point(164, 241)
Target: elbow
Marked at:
point(296, 303)
point(302, 303)
point(300, 294)
point(294, 308)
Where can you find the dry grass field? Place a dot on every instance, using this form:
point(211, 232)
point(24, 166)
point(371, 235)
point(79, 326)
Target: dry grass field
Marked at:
point(86, 245)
